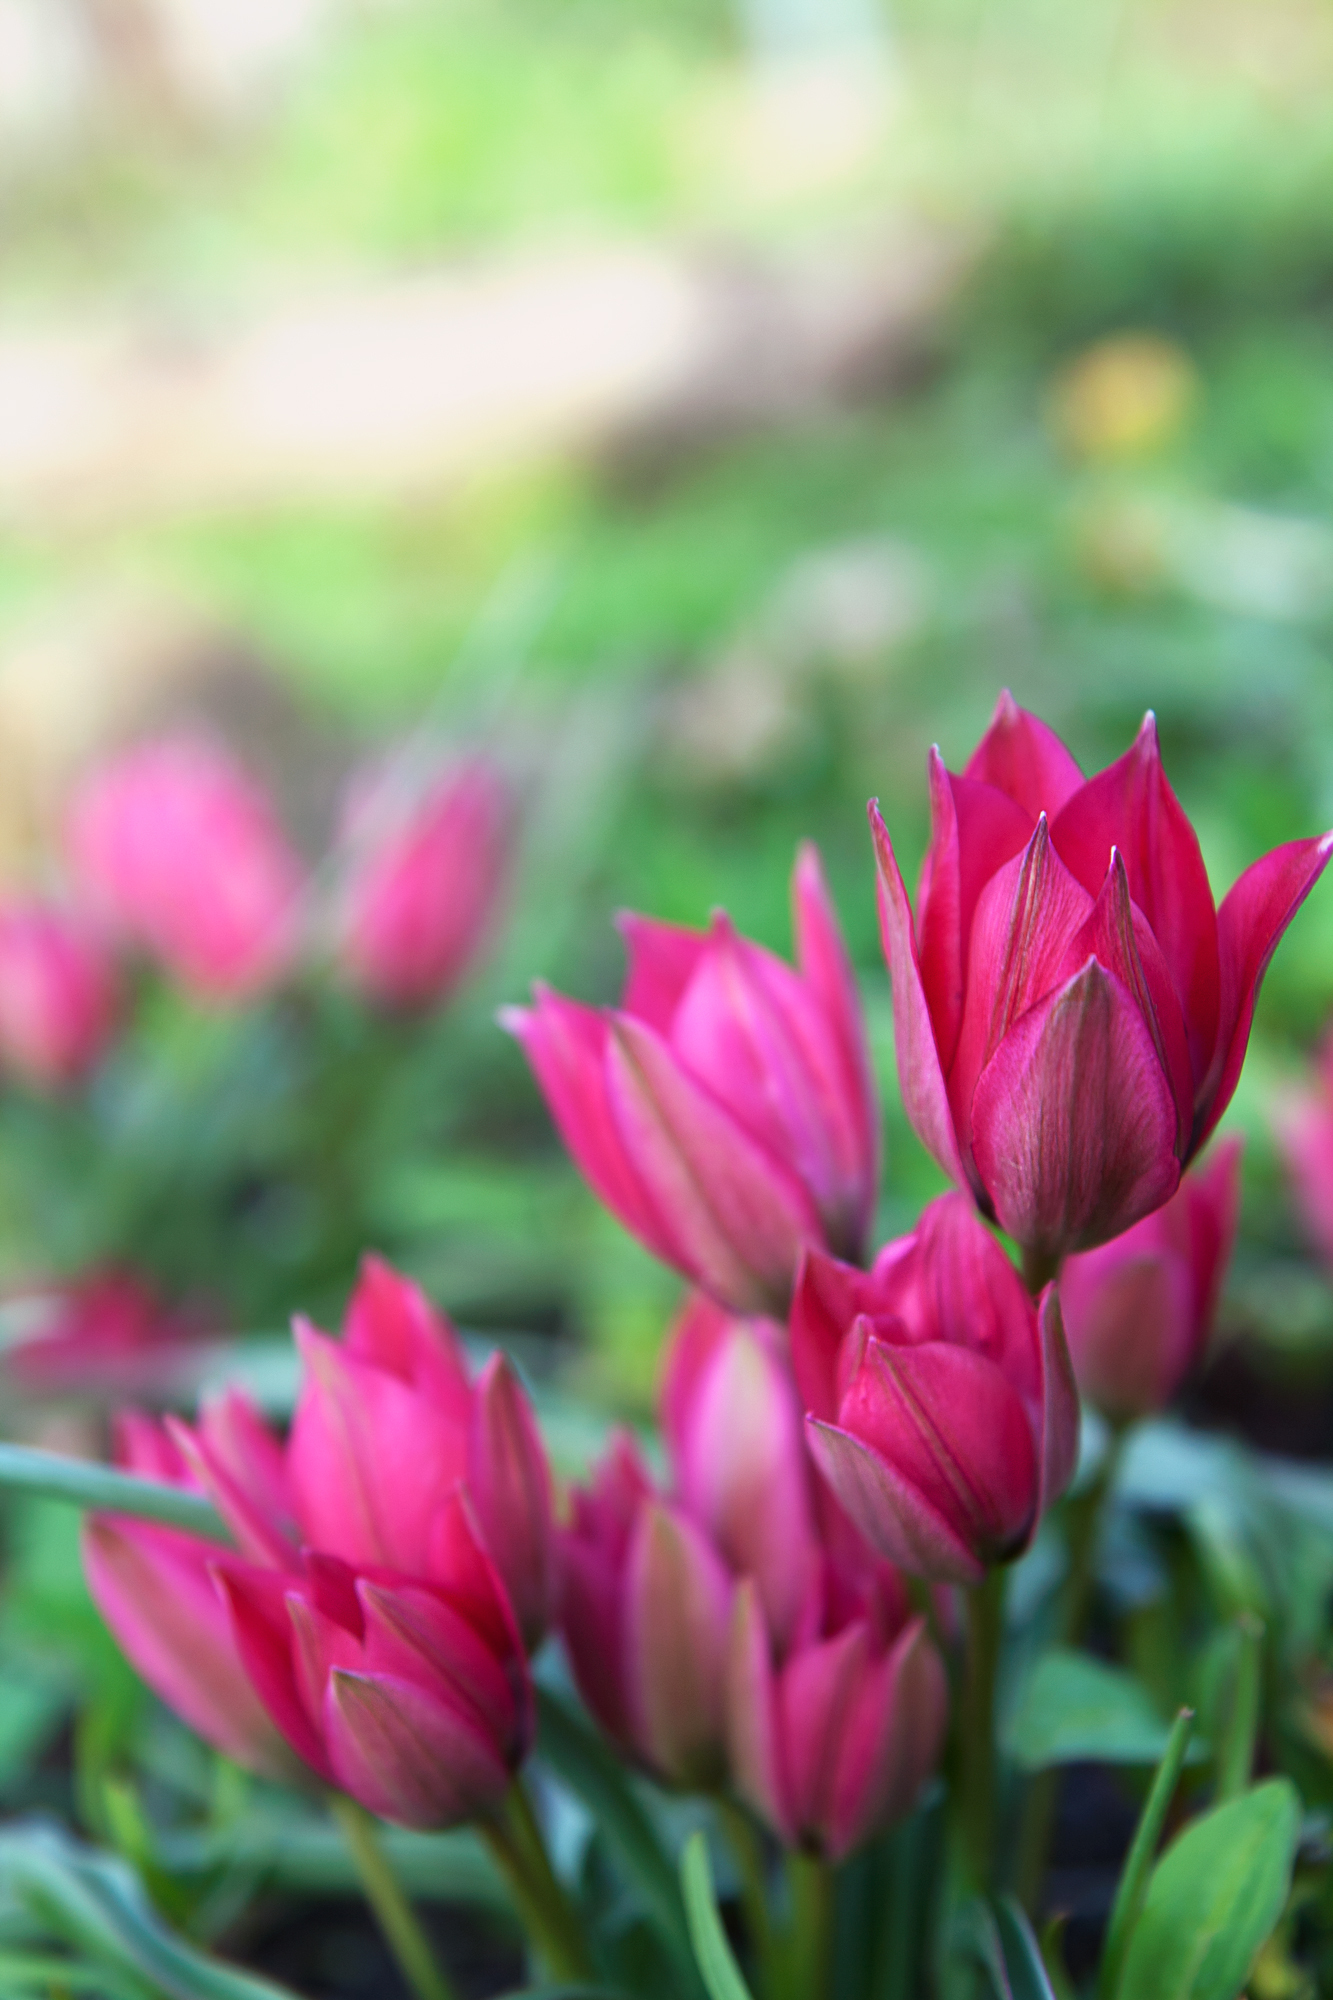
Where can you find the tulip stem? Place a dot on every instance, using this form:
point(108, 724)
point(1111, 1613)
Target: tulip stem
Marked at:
point(743, 1840)
point(425, 1976)
point(1039, 1267)
point(1082, 1524)
point(975, 1775)
point(516, 1843)
point(811, 1883)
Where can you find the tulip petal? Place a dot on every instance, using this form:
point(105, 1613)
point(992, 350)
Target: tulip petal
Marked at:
point(261, 1628)
point(889, 1511)
point(738, 1216)
point(1212, 1211)
point(976, 1299)
point(1073, 1121)
point(1027, 917)
point(678, 1608)
point(1129, 1327)
point(829, 1296)
point(155, 1592)
point(510, 1484)
point(891, 1739)
point(956, 1430)
point(406, 1757)
point(392, 1323)
point(1024, 758)
point(920, 1074)
point(816, 1691)
point(592, 1627)
point(1131, 806)
point(975, 829)
point(753, 1753)
point(1254, 914)
point(662, 960)
point(243, 1510)
point(1059, 1408)
point(566, 1047)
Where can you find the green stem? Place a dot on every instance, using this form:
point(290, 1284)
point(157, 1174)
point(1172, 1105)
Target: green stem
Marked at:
point(404, 1936)
point(1133, 1886)
point(1083, 1520)
point(1039, 1267)
point(976, 1728)
point(747, 1851)
point(1236, 1756)
point(811, 1882)
point(52, 1476)
point(515, 1841)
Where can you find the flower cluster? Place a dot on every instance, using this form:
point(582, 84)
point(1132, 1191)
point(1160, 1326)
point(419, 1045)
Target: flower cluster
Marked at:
point(847, 1435)
point(176, 853)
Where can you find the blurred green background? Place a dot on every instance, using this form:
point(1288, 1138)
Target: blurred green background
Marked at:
point(1024, 377)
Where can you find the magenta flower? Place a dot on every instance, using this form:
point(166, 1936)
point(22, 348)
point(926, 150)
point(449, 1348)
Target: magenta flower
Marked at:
point(183, 855)
point(426, 872)
point(102, 1333)
point(1303, 1128)
point(725, 1110)
point(411, 1695)
point(941, 1405)
point(1070, 1011)
point(1138, 1312)
point(58, 994)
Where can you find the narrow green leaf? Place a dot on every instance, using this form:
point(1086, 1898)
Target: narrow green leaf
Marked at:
point(93, 1903)
point(1235, 1759)
point(579, 1756)
point(717, 1963)
point(1028, 1979)
point(51, 1476)
point(1133, 1885)
point(1074, 1709)
point(1215, 1898)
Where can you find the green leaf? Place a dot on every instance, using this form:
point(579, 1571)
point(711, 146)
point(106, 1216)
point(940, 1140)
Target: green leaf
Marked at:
point(721, 1974)
point(55, 1477)
point(579, 1756)
point(999, 1936)
point(1074, 1709)
point(1215, 1898)
point(94, 1904)
point(1133, 1885)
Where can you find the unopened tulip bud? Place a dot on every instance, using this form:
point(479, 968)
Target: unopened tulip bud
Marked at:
point(725, 1110)
point(426, 872)
point(941, 1403)
point(58, 994)
point(182, 854)
point(1139, 1311)
point(1071, 1012)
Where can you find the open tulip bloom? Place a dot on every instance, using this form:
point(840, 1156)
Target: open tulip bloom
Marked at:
point(1071, 1012)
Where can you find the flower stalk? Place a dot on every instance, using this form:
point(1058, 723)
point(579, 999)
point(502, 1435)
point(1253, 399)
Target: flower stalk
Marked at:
point(402, 1932)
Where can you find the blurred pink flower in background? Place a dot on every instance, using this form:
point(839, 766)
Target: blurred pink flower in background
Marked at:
point(725, 1111)
point(1303, 1128)
point(426, 872)
point(941, 1402)
point(1139, 1311)
point(105, 1333)
point(1071, 1012)
point(58, 993)
point(182, 853)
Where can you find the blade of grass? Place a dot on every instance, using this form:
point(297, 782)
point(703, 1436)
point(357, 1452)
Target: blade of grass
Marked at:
point(1133, 1887)
point(717, 1963)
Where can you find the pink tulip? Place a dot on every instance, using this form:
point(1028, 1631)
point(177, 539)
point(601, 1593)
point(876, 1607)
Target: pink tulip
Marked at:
point(184, 856)
point(1303, 1127)
point(411, 1695)
point(1139, 1311)
point(941, 1403)
point(426, 874)
point(645, 1607)
point(834, 1743)
point(106, 1331)
point(57, 994)
point(155, 1589)
point(725, 1111)
point(388, 1424)
point(1070, 1012)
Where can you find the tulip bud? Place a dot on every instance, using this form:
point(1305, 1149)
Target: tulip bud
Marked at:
point(183, 855)
point(412, 1696)
point(426, 872)
point(734, 1428)
point(1303, 1128)
point(1071, 1012)
point(645, 1606)
point(1138, 1312)
point(57, 994)
point(941, 1404)
point(725, 1111)
point(834, 1744)
point(104, 1333)
point(155, 1589)
point(388, 1424)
